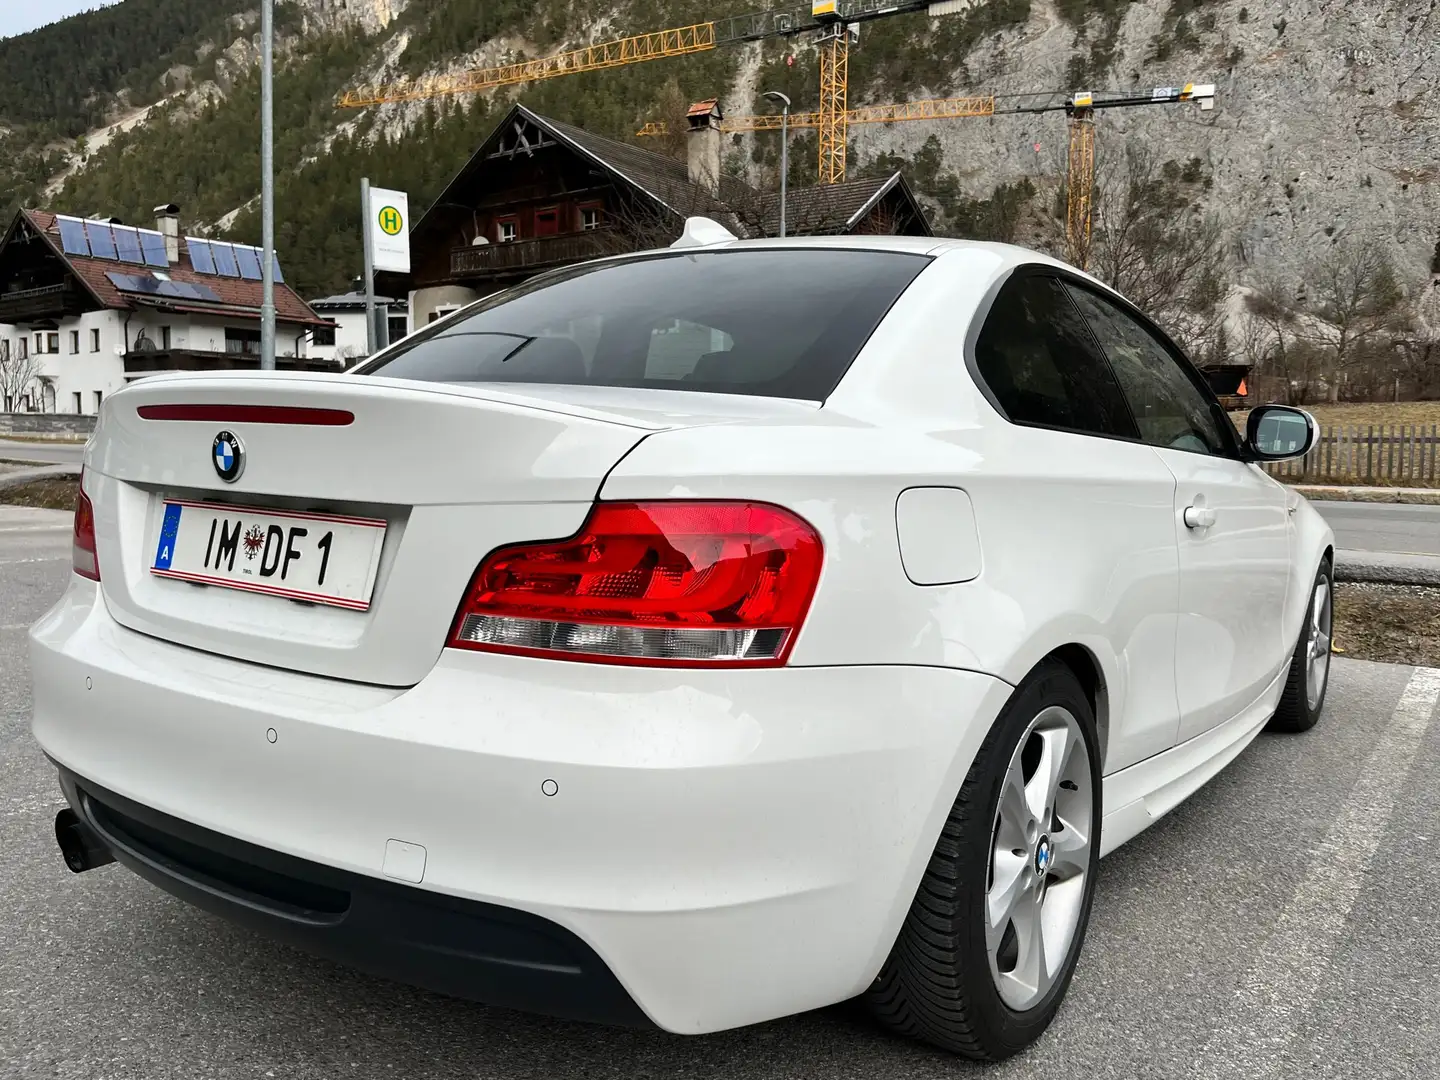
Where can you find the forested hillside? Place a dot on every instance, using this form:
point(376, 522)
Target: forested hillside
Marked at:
point(63, 79)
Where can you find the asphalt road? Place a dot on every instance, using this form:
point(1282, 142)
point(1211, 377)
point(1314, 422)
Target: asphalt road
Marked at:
point(43, 453)
point(1396, 527)
point(1281, 923)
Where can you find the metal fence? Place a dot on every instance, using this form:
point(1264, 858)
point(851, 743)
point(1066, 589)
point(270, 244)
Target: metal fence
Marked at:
point(1398, 455)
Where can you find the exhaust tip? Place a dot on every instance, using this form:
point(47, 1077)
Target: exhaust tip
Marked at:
point(80, 846)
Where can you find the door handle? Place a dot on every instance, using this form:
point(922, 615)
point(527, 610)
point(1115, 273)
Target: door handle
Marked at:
point(1199, 517)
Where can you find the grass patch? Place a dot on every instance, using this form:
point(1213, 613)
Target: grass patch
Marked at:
point(1392, 624)
point(1364, 414)
point(1345, 463)
point(52, 493)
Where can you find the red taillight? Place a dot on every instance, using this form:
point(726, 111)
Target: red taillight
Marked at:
point(683, 584)
point(82, 548)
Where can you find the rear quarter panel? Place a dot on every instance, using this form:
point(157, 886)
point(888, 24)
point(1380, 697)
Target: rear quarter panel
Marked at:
point(1076, 534)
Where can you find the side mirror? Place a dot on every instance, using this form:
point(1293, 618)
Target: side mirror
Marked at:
point(1278, 432)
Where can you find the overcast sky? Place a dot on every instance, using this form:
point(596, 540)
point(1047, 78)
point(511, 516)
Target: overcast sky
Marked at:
point(17, 17)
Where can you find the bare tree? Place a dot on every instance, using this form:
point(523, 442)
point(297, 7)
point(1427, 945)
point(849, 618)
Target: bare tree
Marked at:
point(636, 223)
point(1354, 300)
point(1417, 345)
point(670, 113)
point(19, 373)
point(1152, 244)
point(1268, 338)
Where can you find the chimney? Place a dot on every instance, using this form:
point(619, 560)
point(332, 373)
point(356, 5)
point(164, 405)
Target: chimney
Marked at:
point(702, 149)
point(167, 221)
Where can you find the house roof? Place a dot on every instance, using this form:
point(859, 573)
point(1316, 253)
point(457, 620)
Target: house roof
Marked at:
point(664, 179)
point(833, 208)
point(351, 300)
point(239, 297)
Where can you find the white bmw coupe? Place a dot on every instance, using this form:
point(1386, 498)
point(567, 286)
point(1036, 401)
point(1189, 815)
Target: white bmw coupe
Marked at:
point(688, 638)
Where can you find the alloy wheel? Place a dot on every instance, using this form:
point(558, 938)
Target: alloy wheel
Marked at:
point(1040, 856)
point(1317, 644)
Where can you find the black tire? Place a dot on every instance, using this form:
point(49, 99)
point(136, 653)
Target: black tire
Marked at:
point(936, 985)
point(1294, 714)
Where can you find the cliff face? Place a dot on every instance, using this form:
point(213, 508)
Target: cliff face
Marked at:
point(1326, 125)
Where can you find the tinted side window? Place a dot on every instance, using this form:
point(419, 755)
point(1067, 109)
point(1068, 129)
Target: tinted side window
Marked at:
point(1169, 408)
point(1041, 364)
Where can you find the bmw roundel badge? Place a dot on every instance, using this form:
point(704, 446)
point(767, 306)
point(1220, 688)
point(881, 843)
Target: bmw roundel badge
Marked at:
point(228, 456)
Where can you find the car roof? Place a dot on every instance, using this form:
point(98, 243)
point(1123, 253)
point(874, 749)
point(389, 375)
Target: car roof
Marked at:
point(1010, 255)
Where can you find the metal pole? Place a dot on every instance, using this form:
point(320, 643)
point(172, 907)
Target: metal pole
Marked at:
point(776, 95)
point(369, 268)
point(784, 162)
point(267, 183)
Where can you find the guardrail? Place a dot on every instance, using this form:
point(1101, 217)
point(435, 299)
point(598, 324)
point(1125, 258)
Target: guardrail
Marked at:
point(1400, 455)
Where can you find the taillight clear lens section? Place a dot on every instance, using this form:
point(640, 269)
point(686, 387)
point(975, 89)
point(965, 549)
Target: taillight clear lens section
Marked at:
point(82, 547)
point(662, 583)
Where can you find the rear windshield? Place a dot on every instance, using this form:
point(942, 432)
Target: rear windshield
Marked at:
point(776, 323)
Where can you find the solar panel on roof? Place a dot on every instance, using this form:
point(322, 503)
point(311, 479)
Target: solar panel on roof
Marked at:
point(127, 243)
point(136, 283)
point(249, 260)
point(102, 240)
point(152, 247)
point(193, 291)
point(200, 257)
point(225, 264)
point(279, 277)
point(72, 236)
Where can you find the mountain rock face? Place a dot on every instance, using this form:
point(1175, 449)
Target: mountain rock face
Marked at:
point(1326, 124)
point(1326, 127)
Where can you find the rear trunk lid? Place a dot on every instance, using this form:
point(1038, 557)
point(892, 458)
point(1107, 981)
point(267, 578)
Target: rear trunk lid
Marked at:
point(416, 483)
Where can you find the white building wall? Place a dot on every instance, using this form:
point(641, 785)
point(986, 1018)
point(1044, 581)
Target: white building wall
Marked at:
point(93, 371)
point(97, 369)
point(438, 301)
point(349, 337)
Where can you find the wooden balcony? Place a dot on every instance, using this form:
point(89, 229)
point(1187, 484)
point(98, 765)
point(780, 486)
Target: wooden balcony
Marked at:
point(537, 253)
point(151, 361)
point(46, 302)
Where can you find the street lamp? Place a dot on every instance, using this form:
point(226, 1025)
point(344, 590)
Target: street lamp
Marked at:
point(775, 95)
point(267, 184)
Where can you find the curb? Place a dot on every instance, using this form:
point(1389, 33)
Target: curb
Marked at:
point(1387, 568)
point(25, 476)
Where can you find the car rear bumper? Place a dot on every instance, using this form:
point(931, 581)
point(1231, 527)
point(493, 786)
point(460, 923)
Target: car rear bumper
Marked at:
point(444, 943)
point(699, 849)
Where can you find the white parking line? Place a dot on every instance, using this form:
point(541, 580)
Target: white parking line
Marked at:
point(34, 559)
point(1252, 1036)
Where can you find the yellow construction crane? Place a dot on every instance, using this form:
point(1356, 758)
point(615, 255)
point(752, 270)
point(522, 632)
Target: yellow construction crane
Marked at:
point(834, 21)
point(1079, 106)
point(928, 109)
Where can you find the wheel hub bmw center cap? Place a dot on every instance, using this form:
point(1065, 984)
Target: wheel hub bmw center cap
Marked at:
point(228, 456)
point(1043, 855)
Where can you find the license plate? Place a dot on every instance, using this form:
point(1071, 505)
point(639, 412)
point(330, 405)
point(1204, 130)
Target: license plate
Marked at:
point(317, 558)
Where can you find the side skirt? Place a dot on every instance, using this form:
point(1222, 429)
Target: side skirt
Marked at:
point(1141, 794)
